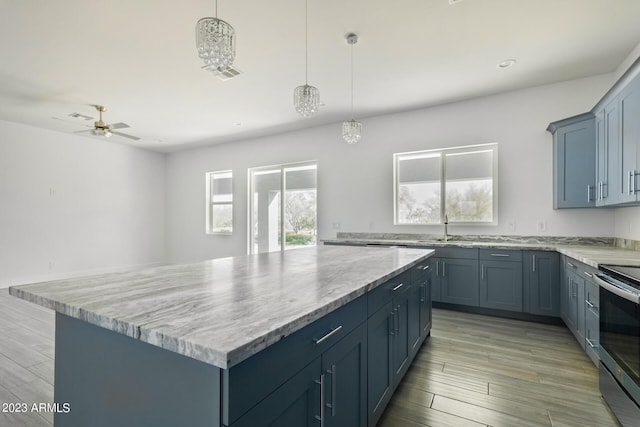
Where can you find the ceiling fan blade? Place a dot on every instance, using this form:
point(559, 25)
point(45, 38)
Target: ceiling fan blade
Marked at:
point(83, 131)
point(135, 138)
point(118, 125)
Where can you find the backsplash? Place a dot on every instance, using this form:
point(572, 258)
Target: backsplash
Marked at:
point(556, 240)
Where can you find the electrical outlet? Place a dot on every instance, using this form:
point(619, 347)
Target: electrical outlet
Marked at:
point(336, 226)
point(541, 226)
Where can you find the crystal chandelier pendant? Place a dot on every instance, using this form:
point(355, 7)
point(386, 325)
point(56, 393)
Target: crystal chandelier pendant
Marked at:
point(306, 99)
point(216, 43)
point(351, 131)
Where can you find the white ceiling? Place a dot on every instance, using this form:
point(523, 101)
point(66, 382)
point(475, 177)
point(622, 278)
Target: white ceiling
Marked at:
point(138, 58)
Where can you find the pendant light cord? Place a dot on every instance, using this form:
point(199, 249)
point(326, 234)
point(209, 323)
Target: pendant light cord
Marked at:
point(306, 42)
point(216, 9)
point(352, 118)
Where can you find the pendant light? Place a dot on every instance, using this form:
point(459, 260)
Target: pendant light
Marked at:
point(352, 129)
point(306, 99)
point(216, 42)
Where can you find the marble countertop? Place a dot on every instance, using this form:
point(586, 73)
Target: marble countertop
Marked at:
point(590, 251)
point(223, 311)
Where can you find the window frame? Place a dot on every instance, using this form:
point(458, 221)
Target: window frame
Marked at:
point(442, 153)
point(210, 177)
point(282, 168)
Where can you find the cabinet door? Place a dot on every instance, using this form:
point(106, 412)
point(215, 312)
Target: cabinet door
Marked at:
point(295, 403)
point(501, 285)
point(542, 287)
point(629, 108)
point(400, 340)
point(425, 308)
point(607, 143)
point(576, 310)
point(415, 309)
point(435, 280)
point(575, 165)
point(345, 389)
point(379, 371)
point(459, 281)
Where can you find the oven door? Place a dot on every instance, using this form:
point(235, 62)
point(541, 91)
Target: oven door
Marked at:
point(620, 333)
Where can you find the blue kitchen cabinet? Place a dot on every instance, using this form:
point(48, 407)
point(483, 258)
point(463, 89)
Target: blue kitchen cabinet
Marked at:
point(629, 110)
point(331, 390)
point(392, 314)
point(573, 310)
point(419, 307)
point(541, 277)
point(457, 274)
point(501, 279)
point(574, 162)
point(607, 154)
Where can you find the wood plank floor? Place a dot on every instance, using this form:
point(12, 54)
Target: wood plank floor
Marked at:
point(473, 371)
point(479, 370)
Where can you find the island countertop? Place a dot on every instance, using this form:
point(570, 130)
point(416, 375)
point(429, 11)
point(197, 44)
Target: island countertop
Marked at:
point(223, 311)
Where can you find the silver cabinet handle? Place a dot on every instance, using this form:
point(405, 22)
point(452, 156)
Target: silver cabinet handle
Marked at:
point(590, 304)
point(321, 416)
point(501, 255)
point(588, 274)
point(444, 269)
point(329, 335)
point(482, 272)
point(397, 319)
point(423, 293)
point(591, 344)
point(398, 287)
point(332, 405)
point(533, 263)
point(588, 193)
point(437, 268)
point(426, 267)
point(392, 322)
point(570, 265)
point(629, 182)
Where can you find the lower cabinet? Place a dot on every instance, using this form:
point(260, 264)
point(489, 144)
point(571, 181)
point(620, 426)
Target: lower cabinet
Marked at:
point(331, 390)
point(541, 283)
point(456, 275)
point(580, 300)
point(501, 279)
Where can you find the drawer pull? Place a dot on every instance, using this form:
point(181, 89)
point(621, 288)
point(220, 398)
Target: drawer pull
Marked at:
point(426, 267)
point(501, 255)
point(329, 335)
point(570, 265)
point(589, 274)
point(398, 287)
point(591, 344)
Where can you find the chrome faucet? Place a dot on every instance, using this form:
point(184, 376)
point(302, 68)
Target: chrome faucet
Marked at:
point(446, 225)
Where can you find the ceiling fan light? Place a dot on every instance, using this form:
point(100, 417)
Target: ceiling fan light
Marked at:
point(101, 132)
point(216, 43)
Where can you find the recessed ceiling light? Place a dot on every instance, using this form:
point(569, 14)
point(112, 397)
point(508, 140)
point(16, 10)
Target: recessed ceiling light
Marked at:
point(506, 63)
point(237, 124)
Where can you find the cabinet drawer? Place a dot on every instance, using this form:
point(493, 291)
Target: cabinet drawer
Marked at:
point(420, 273)
point(592, 297)
point(592, 336)
point(463, 253)
point(500, 255)
point(385, 292)
point(246, 384)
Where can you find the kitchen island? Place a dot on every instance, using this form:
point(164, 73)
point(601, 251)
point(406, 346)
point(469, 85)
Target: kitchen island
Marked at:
point(231, 341)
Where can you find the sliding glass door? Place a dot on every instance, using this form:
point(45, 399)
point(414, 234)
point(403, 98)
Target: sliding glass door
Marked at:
point(283, 207)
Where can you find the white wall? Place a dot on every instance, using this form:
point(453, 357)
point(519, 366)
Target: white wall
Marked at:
point(71, 205)
point(355, 182)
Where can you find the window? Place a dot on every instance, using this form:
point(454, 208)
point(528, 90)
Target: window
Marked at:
point(460, 183)
point(220, 202)
point(282, 198)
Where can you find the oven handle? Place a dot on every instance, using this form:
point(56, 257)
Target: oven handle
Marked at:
point(618, 290)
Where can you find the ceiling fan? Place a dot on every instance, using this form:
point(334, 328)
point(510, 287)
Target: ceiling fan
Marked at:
point(100, 128)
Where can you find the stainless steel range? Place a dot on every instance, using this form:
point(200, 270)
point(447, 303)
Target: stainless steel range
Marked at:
point(620, 341)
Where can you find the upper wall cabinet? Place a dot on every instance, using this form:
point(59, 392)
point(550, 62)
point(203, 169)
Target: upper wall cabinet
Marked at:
point(607, 144)
point(574, 162)
point(629, 155)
